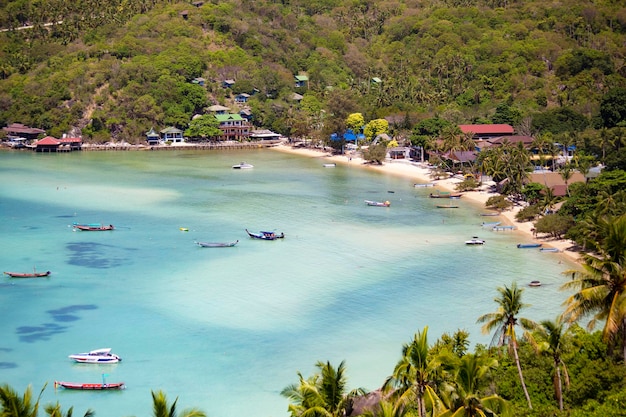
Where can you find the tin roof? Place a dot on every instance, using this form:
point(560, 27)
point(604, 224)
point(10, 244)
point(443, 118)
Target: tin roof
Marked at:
point(487, 129)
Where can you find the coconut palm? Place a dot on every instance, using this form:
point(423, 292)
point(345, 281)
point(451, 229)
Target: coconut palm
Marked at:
point(504, 320)
point(566, 171)
point(601, 284)
point(415, 375)
point(463, 398)
point(549, 338)
point(323, 394)
point(11, 405)
point(387, 409)
point(54, 410)
point(161, 408)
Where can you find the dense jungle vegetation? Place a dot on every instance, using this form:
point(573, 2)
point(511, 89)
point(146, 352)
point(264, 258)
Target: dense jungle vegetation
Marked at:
point(115, 69)
point(554, 70)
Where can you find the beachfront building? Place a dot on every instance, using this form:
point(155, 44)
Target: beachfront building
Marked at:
point(52, 144)
point(233, 127)
point(399, 152)
point(152, 137)
point(18, 130)
point(555, 181)
point(264, 134)
point(172, 134)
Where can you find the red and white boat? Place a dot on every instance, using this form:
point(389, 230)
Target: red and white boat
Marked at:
point(90, 387)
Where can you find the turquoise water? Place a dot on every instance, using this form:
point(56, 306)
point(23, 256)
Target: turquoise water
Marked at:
point(226, 329)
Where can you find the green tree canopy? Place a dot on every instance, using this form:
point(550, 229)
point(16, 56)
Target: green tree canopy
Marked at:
point(205, 126)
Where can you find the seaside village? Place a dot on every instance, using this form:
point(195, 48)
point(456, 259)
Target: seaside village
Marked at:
point(237, 132)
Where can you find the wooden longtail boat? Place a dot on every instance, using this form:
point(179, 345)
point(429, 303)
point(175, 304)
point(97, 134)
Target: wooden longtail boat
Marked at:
point(89, 387)
point(28, 274)
point(265, 235)
point(217, 244)
point(93, 227)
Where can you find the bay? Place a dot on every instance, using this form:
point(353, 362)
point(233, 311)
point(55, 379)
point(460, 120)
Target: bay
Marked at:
point(226, 329)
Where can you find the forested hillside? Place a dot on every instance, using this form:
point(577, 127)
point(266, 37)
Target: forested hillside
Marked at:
point(117, 68)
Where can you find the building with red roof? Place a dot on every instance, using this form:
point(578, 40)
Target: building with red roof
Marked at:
point(487, 131)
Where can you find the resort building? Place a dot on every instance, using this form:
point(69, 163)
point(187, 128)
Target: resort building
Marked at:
point(18, 130)
point(487, 131)
point(233, 127)
point(217, 109)
point(152, 137)
point(52, 144)
point(263, 134)
point(172, 134)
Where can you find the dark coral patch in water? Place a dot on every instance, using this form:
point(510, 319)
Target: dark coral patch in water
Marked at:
point(96, 255)
point(30, 334)
point(8, 365)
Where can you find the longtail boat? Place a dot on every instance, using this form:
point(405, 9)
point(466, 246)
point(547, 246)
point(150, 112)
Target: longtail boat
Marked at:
point(92, 227)
point(89, 387)
point(217, 244)
point(265, 235)
point(28, 274)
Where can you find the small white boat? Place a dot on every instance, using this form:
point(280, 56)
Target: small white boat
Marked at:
point(475, 241)
point(549, 250)
point(422, 185)
point(535, 284)
point(217, 244)
point(330, 165)
point(243, 165)
point(377, 203)
point(96, 356)
point(491, 224)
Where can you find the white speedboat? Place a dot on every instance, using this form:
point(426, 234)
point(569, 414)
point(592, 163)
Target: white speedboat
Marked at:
point(243, 165)
point(96, 356)
point(475, 241)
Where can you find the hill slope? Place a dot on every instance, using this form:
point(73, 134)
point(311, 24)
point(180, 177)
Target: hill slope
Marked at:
point(117, 70)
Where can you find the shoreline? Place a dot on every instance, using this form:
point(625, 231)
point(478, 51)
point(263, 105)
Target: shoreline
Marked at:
point(420, 173)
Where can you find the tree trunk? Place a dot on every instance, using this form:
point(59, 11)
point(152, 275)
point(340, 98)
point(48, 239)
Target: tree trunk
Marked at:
point(422, 406)
point(624, 339)
point(521, 377)
point(559, 384)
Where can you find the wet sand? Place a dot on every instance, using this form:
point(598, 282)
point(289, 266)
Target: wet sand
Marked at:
point(420, 173)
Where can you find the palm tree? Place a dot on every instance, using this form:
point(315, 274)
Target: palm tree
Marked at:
point(387, 409)
point(322, 395)
point(504, 320)
point(601, 284)
point(463, 398)
point(162, 409)
point(414, 376)
point(11, 405)
point(566, 171)
point(549, 338)
point(56, 411)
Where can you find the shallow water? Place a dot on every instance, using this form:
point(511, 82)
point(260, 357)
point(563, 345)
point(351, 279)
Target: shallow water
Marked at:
point(226, 329)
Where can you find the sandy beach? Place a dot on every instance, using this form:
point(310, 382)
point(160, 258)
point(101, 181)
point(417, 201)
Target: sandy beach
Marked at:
point(420, 173)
